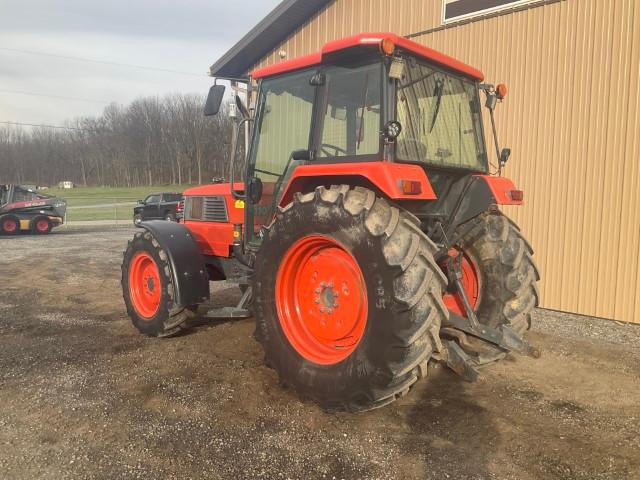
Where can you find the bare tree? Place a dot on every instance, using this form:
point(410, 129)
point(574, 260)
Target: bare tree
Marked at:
point(150, 141)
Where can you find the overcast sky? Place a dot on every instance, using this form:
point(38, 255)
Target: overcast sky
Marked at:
point(183, 35)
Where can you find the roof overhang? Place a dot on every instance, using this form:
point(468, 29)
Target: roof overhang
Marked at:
point(373, 40)
point(264, 37)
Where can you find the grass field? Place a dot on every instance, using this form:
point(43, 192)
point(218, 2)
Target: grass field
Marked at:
point(106, 203)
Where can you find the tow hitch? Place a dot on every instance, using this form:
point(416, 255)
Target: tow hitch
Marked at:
point(465, 354)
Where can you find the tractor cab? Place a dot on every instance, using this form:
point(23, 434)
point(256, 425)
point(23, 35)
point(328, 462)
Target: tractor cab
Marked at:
point(357, 107)
point(365, 234)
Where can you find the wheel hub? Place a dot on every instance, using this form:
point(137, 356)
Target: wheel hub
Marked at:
point(321, 299)
point(471, 283)
point(144, 277)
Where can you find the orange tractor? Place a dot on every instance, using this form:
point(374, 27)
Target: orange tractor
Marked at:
point(365, 235)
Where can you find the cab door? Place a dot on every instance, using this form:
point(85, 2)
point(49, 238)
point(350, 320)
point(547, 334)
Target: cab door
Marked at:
point(283, 125)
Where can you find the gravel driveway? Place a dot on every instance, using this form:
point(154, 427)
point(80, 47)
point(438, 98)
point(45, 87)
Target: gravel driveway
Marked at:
point(84, 395)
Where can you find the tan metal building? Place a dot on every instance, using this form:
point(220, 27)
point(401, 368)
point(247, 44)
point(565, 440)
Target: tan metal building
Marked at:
point(572, 118)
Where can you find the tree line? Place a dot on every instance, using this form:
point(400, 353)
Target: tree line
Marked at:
point(151, 141)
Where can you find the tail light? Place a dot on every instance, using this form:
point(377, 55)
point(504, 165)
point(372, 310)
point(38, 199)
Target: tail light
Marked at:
point(516, 195)
point(410, 187)
point(180, 207)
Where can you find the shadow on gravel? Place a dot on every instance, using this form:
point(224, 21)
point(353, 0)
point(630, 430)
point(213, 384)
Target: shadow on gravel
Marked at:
point(452, 433)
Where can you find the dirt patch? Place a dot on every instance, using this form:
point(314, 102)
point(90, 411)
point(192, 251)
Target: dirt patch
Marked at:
point(84, 395)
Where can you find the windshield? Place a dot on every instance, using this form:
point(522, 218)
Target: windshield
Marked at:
point(440, 117)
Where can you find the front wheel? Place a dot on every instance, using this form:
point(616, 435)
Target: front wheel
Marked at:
point(353, 315)
point(40, 225)
point(148, 291)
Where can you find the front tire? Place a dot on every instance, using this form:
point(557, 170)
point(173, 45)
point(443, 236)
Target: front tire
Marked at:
point(148, 290)
point(40, 226)
point(347, 251)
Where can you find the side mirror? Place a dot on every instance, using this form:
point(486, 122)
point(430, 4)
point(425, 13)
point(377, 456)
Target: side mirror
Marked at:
point(254, 192)
point(214, 100)
point(301, 155)
point(140, 202)
point(504, 155)
point(241, 106)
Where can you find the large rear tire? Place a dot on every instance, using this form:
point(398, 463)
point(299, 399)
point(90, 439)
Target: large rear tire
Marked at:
point(148, 291)
point(347, 298)
point(499, 274)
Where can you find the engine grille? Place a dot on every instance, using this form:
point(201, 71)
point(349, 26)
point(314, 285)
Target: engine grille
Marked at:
point(206, 209)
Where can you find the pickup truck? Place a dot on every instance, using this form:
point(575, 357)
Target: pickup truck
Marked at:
point(164, 205)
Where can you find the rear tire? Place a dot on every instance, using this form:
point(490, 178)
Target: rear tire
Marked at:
point(148, 291)
point(9, 225)
point(402, 298)
point(169, 217)
point(507, 272)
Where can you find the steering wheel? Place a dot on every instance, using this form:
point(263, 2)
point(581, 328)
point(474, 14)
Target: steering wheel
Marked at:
point(325, 146)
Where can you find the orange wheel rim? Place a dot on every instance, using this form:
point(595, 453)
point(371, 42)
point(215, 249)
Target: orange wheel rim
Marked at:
point(10, 225)
point(470, 282)
point(144, 285)
point(321, 299)
point(42, 225)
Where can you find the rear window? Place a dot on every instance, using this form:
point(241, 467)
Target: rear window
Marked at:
point(172, 197)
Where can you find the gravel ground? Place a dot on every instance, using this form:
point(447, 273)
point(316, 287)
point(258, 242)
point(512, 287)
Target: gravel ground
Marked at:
point(84, 395)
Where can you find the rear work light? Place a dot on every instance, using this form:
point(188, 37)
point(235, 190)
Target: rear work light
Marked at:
point(410, 187)
point(516, 195)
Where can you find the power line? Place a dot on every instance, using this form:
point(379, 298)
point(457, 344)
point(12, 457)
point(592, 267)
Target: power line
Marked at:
point(54, 96)
point(103, 62)
point(42, 125)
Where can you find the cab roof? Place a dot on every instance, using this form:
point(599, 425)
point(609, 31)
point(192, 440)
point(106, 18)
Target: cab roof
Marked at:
point(372, 40)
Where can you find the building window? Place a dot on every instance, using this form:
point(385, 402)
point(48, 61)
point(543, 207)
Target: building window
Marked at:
point(453, 10)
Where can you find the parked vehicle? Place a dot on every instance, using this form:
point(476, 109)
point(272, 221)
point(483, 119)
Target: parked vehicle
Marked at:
point(25, 209)
point(366, 232)
point(163, 205)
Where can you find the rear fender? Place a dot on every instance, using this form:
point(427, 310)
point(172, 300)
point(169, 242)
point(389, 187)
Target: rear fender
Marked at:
point(190, 280)
point(478, 196)
point(384, 177)
point(501, 189)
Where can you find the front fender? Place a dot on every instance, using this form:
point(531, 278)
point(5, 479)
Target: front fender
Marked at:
point(190, 280)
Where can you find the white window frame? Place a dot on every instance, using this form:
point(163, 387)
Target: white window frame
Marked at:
point(513, 4)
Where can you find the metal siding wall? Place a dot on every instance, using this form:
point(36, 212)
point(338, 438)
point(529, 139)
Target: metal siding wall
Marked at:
point(572, 119)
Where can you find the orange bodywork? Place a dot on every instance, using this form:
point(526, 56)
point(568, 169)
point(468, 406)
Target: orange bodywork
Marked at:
point(502, 189)
point(216, 238)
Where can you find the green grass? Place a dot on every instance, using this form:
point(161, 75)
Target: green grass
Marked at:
point(99, 195)
point(90, 196)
